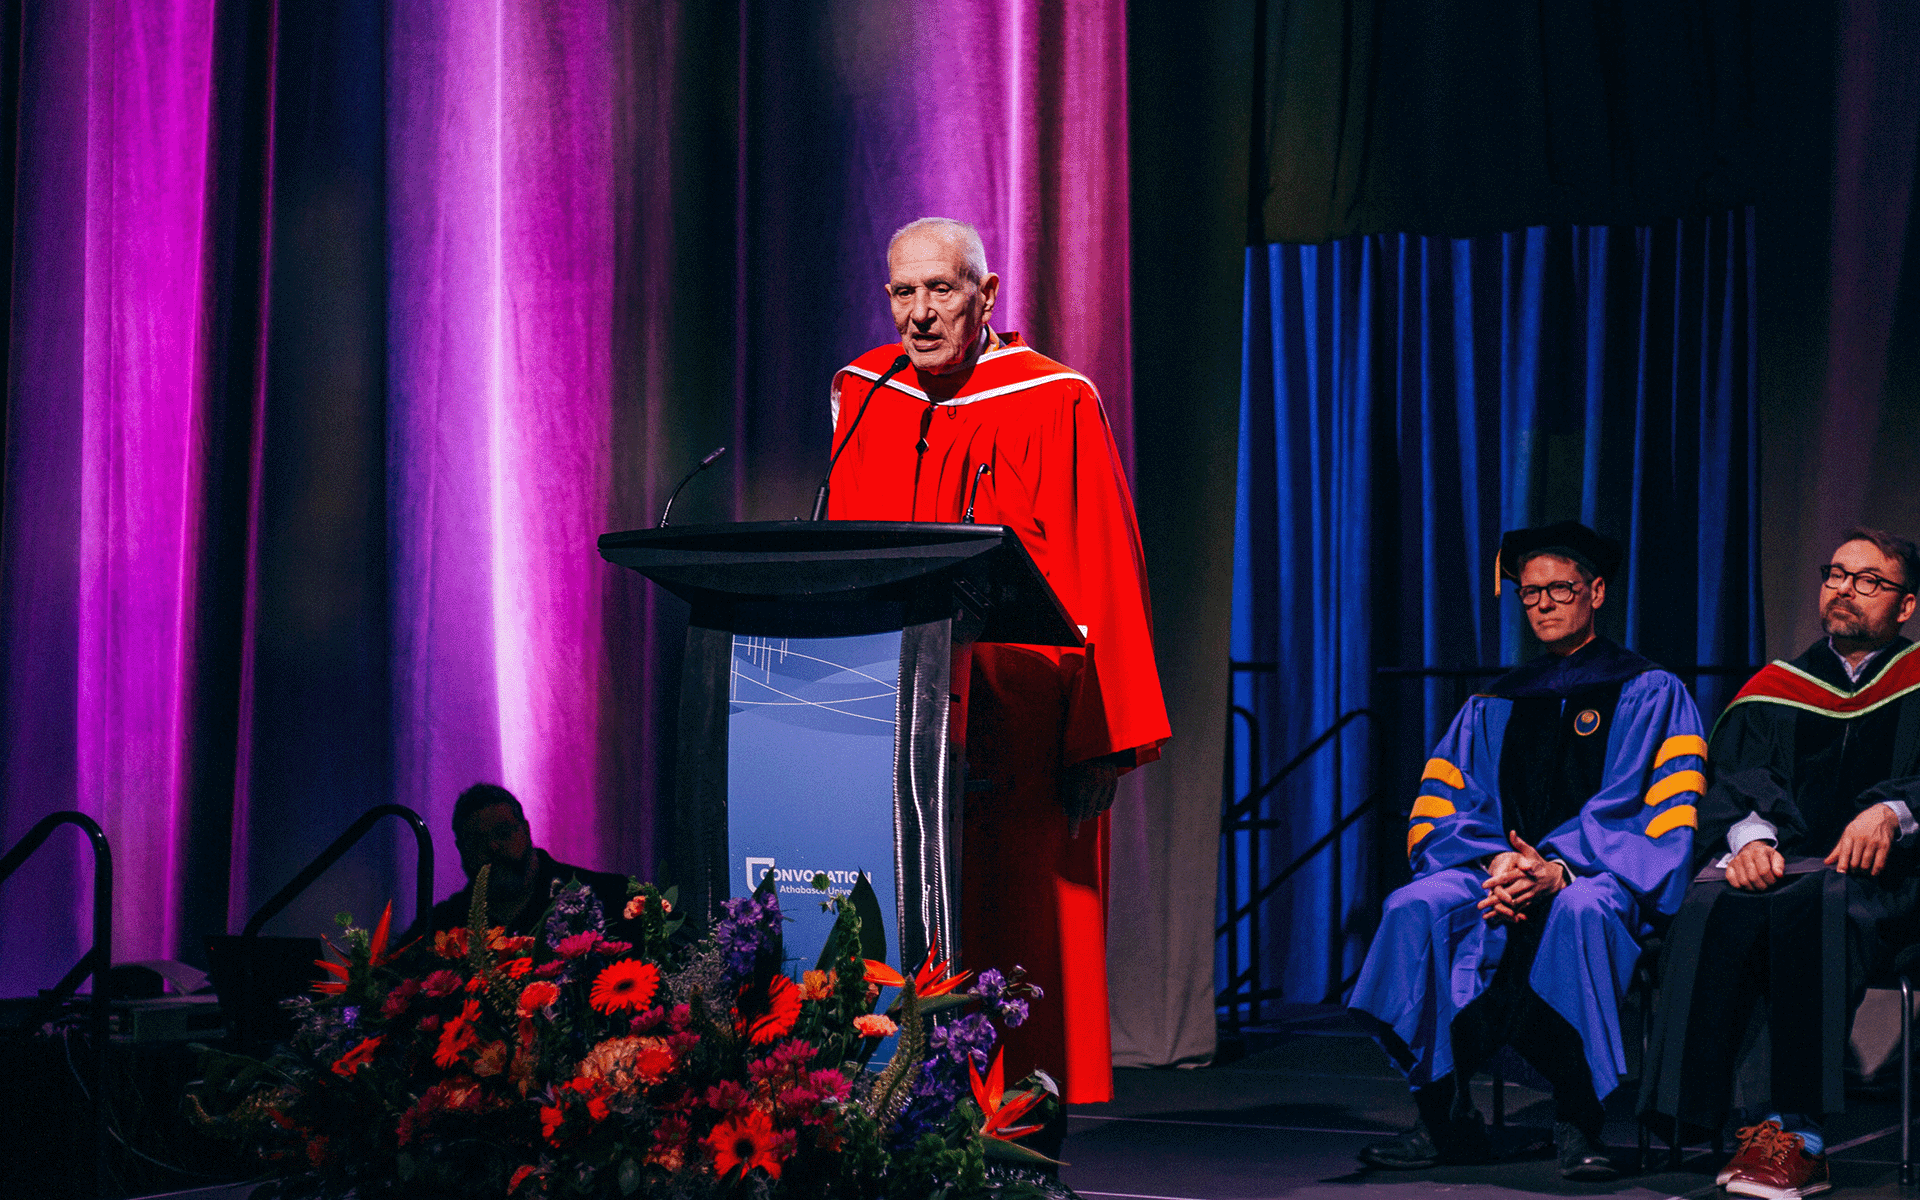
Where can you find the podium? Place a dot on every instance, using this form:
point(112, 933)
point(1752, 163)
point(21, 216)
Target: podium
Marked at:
point(815, 707)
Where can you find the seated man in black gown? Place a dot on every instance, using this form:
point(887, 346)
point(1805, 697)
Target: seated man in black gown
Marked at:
point(1808, 828)
point(490, 830)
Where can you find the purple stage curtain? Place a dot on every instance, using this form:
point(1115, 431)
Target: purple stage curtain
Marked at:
point(107, 424)
point(337, 337)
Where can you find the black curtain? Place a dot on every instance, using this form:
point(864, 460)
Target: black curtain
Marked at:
point(1441, 117)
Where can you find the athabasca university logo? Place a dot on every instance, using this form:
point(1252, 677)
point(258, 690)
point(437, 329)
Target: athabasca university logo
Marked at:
point(798, 879)
point(757, 870)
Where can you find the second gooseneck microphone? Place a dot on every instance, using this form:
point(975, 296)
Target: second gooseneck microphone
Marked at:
point(685, 480)
point(966, 518)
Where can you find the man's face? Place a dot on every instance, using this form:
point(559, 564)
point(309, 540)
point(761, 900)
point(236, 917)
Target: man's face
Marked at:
point(1561, 625)
point(937, 309)
point(494, 836)
point(1847, 615)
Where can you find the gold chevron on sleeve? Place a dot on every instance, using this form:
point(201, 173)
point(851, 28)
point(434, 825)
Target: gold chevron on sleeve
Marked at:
point(1673, 818)
point(1674, 747)
point(1422, 830)
point(1432, 806)
point(1673, 785)
point(1445, 772)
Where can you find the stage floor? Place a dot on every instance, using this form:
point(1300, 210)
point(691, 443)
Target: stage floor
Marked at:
point(1287, 1120)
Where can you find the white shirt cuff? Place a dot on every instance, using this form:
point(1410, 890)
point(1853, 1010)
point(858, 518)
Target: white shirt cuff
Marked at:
point(1908, 826)
point(1751, 828)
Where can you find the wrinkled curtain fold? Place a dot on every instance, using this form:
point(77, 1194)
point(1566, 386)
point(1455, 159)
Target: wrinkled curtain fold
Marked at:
point(1408, 399)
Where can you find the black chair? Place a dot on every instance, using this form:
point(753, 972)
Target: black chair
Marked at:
point(1900, 976)
point(1646, 979)
point(1906, 965)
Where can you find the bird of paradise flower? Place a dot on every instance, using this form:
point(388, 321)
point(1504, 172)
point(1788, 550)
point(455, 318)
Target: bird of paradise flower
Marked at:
point(377, 955)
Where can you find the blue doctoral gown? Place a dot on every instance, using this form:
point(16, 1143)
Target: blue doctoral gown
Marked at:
point(1629, 844)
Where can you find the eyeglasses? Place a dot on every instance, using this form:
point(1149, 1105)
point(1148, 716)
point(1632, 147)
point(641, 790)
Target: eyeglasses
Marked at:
point(1561, 590)
point(1865, 583)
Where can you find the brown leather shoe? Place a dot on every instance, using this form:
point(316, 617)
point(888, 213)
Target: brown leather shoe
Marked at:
point(1756, 1147)
point(1774, 1165)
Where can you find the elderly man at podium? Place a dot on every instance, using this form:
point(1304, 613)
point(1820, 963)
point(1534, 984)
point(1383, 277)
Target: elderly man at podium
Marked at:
point(975, 419)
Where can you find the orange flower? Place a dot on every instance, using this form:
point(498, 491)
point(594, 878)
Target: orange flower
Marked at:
point(874, 1025)
point(818, 985)
point(334, 986)
point(551, 1118)
point(451, 943)
point(746, 1142)
point(931, 980)
point(536, 996)
point(458, 1037)
point(492, 1059)
point(989, 1094)
point(628, 984)
point(356, 1058)
point(519, 1177)
point(783, 1009)
point(622, 1063)
point(516, 967)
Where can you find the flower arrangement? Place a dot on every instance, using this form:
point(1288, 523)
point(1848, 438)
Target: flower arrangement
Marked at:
point(575, 1064)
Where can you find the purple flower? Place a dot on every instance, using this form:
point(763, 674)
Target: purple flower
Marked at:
point(575, 910)
point(1007, 1001)
point(951, 1045)
point(750, 926)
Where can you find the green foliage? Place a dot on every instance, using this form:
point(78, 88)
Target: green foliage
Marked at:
point(873, 932)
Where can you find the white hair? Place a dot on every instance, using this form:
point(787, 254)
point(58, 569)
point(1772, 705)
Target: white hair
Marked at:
point(973, 254)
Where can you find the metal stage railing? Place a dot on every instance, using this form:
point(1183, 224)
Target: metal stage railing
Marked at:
point(1244, 833)
point(95, 962)
point(422, 877)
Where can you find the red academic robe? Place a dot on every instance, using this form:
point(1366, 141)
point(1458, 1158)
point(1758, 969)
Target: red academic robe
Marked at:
point(1030, 895)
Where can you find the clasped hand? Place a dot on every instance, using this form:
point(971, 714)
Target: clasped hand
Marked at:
point(1516, 880)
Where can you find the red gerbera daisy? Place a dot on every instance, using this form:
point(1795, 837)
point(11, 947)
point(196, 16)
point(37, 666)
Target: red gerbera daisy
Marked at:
point(746, 1141)
point(628, 983)
point(458, 1037)
point(783, 1010)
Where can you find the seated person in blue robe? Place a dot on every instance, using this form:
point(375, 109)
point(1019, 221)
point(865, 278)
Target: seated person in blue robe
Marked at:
point(1553, 828)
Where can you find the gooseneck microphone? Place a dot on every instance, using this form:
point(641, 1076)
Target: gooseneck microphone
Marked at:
point(966, 518)
point(820, 497)
point(687, 479)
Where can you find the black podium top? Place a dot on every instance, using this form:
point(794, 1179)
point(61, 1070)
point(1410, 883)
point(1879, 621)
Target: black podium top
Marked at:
point(824, 578)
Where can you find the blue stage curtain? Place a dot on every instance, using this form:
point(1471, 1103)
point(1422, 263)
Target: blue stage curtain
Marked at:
point(1405, 400)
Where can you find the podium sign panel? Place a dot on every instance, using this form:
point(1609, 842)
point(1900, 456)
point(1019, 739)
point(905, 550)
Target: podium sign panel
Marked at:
point(811, 741)
point(802, 635)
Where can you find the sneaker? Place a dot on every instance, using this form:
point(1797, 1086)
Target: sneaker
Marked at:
point(1773, 1164)
point(1581, 1156)
point(1416, 1150)
point(1756, 1147)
